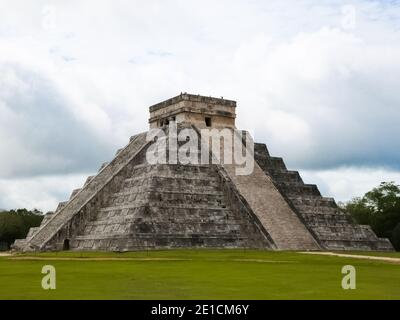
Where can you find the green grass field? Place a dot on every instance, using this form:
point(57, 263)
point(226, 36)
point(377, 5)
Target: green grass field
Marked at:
point(196, 274)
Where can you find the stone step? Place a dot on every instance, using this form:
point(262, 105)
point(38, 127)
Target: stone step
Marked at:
point(192, 182)
point(274, 163)
point(74, 193)
point(19, 244)
point(152, 199)
point(104, 164)
point(323, 213)
point(287, 177)
point(186, 170)
point(61, 205)
point(187, 197)
point(159, 235)
point(320, 214)
point(189, 220)
point(152, 227)
point(189, 192)
point(344, 232)
point(154, 205)
point(316, 201)
point(142, 242)
point(325, 219)
point(299, 189)
point(136, 185)
point(59, 220)
point(109, 215)
point(136, 244)
point(32, 231)
point(322, 210)
point(88, 179)
point(272, 210)
point(171, 184)
point(172, 189)
point(363, 245)
point(194, 177)
point(122, 198)
point(261, 150)
point(160, 213)
point(46, 218)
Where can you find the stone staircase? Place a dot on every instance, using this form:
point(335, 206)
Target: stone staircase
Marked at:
point(131, 205)
point(169, 206)
point(266, 203)
point(333, 229)
point(39, 238)
point(278, 219)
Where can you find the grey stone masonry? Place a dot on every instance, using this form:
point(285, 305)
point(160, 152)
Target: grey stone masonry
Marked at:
point(169, 206)
point(61, 219)
point(332, 228)
point(133, 205)
point(271, 208)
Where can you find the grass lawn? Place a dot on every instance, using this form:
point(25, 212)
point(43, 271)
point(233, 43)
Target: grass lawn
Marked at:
point(196, 274)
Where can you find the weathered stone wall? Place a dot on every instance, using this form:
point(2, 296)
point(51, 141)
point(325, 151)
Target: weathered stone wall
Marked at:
point(193, 109)
point(271, 208)
point(169, 206)
point(332, 228)
point(141, 206)
point(83, 203)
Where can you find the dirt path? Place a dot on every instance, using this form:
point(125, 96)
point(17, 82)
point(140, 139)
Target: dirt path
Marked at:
point(343, 255)
point(5, 254)
point(356, 256)
point(33, 258)
point(93, 259)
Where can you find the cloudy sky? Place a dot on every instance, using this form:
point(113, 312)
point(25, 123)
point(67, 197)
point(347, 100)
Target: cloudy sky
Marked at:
point(318, 81)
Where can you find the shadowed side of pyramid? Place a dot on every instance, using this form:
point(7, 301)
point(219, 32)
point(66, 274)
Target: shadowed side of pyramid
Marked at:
point(333, 228)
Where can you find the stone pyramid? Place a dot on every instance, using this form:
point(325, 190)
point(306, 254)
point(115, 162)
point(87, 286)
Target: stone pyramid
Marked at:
point(133, 204)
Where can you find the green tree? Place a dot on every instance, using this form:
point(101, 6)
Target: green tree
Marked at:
point(379, 208)
point(396, 237)
point(15, 224)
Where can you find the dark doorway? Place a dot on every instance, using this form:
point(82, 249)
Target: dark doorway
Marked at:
point(208, 121)
point(66, 245)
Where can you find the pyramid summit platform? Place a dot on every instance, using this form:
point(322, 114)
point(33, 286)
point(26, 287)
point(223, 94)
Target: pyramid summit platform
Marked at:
point(134, 204)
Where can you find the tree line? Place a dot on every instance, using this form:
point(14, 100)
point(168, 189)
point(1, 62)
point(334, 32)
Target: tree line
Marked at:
point(15, 224)
point(379, 208)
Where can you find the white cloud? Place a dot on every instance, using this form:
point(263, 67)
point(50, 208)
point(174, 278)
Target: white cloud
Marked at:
point(346, 183)
point(39, 132)
point(327, 99)
point(43, 193)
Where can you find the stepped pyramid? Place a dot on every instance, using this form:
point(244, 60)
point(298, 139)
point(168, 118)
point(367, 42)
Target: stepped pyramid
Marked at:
point(133, 204)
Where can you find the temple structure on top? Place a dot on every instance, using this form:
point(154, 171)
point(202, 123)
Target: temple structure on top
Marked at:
point(194, 109)
point(131, 204)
